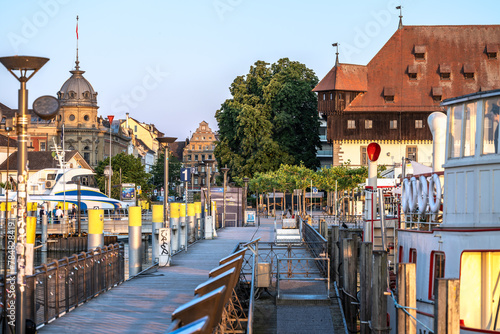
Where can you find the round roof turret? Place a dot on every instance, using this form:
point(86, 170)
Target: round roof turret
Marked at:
point(77, 91)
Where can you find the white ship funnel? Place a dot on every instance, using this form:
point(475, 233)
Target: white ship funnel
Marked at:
point(437, 125)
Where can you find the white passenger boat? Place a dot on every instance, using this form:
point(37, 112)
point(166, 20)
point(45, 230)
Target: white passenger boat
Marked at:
point(454, 232)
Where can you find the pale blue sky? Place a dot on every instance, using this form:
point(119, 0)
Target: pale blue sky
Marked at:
point(170, 63)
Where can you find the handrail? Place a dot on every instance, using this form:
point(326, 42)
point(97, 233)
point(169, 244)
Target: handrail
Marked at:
point(252, 293)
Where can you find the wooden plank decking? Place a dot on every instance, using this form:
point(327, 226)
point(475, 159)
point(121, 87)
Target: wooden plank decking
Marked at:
point(145, 304)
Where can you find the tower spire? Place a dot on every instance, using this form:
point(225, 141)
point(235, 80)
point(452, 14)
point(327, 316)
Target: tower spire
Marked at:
point(77, 63)
point(400, 26)
point(336, 45)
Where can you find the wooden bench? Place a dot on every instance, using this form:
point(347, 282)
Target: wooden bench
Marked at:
point(233, 256)
point(200, 326)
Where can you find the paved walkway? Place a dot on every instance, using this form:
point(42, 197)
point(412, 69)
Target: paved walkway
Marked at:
point(145, 304)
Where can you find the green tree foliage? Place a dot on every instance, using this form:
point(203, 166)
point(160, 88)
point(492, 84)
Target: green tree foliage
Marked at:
point(270, 120)
point(132, 171)
point(174, 173)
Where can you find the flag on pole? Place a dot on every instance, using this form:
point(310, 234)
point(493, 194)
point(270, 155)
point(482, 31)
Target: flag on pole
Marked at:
point(77, 27)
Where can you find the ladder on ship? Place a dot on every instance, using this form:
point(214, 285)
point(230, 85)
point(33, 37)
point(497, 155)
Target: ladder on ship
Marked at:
point(384, 230)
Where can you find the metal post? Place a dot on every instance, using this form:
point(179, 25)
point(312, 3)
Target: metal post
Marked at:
point(225, 170)
point(186, 219)
point(157, 223)
point(110, 169)
point(245, 181)
point(96, 229)
point(365, 280)
point(166, 141)
point(134, 241)
point(44, 231)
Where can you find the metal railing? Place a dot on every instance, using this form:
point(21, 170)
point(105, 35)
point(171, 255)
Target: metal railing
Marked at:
point(317, 245)
point(62, 285)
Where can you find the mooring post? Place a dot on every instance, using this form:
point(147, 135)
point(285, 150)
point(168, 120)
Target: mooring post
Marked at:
point(182, 226)
point(447, 306)
point(30, 243)
point(365, 278)
point(134, 241)
point(349, 284)
point(197, 217)
point(157, 223)
point(407, 296)
point(335, 254)
point(379, 288)
point(96, 229)
point(190, 222)
point(174, 227)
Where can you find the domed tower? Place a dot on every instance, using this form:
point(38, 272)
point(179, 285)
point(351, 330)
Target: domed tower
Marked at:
point(78, 116)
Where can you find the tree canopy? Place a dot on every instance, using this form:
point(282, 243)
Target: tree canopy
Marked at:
point(174, 173)
point(270, 120)
point(132, 171)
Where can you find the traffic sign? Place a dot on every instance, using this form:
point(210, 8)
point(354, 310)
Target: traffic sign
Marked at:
point(185, 174)
point(315, 190)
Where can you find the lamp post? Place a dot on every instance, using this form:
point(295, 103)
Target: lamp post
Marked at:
point(245, 181)
point(225, 170)
point(166, 141)
point(110, 119)
point(23, 64)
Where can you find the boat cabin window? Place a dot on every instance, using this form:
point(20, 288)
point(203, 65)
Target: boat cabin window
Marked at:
point(85, 180)
point(413, 255)
point(51, 176)
point(456, 119)
point(490, 125)
point(470, 129)
point(480, 290)
point(436, 270)
point(463, 130)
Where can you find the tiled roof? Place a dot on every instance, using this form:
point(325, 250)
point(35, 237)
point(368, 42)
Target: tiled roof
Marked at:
point(177, 148)
point(37, 160)
point(11, 142)
point(447, 49)
point(346, 77)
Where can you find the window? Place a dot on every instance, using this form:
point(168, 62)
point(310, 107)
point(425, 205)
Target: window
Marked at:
point(393, 124)
point(324, 96)
point(86, 118)
point(412, 72)
point(209, 157)
point(469, 71)
point(203, 157)
point(364, 156)
point(490, 126)
point(189, 157)
point(413, 255)
point(491, 51)
point(203, 169)
point(389, 94)
point(351, 124)
point(196, 157)
point(195, 180)
point(456, 118)
point(444, 71)
point(419, 124)
point(470, 129)
point(419, 52)
point(368, 123)
point(331, 96)
point(43, 146)
point(411, 153)
point(436, 270)
point(479, 293)
point(199, 147)
point(86, 156)
point(437, 94)
point(71, 117)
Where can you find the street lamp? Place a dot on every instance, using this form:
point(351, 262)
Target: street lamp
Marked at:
point(225, 170)
point(110, 173)
point(23, 64)
point(166, 141)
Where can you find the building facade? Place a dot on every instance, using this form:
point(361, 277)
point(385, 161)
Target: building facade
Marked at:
point(199, 149)
point(388, 100)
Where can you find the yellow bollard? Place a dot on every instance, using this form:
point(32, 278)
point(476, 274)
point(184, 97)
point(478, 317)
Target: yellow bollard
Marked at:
point(30, 243)
point(156, 225)
point(174, 226)
point(182, 223)
point(96, 229)
point(134, 240)
point(197, 219)
point(190, 222)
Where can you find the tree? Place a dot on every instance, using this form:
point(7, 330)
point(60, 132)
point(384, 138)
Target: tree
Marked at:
point(174, 173)
point(132, 171)
point(270, 120)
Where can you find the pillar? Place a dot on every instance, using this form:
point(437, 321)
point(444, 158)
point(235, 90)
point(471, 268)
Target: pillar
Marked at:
point(96, 228)
point(134, 240)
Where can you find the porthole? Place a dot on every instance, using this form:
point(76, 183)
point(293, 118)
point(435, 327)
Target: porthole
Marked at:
point(72, 117)
point(86, 117)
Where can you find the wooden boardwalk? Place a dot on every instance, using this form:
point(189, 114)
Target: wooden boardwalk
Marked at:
point(145, 303)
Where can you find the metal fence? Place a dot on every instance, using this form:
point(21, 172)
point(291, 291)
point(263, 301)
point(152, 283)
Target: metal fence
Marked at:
point(317, 245)
point(62, 285)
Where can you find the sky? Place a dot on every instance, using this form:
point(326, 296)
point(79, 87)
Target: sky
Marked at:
point(170, 63)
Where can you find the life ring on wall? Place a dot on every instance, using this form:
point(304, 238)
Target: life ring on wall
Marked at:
point(423, 194)
point(435, 203)
point(413, 198)
point(404, 196)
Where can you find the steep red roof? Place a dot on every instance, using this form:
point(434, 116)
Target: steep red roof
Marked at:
point(347, 77)
point(452, 49)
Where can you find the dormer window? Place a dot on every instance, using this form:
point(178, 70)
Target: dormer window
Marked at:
point(491, 51)
point(419, 52)
point(469, 71)
point(86, 94)
point(388, 94)
point(412, 72)
point(437, 94)
point(72, 94)
point(444, 71)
